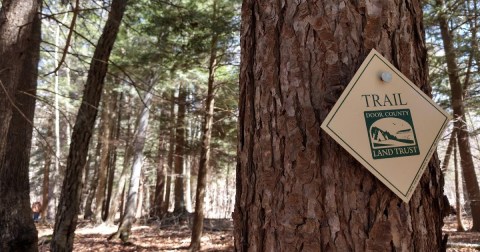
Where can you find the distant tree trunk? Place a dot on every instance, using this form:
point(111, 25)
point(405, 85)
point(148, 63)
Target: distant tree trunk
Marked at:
point(47, 155)
point(66, 218)
point(105, 138)
point(466, 160)
point(88, 213)
point(113, 150)
point(128, 219)
point(19, 55)
point(297, 189)
point(448, 152)
point(118, 193)
point(458, 206)
point(171, 150)
point(159, 195)
point(203, 167)
point(140, 198)
point(180, 152)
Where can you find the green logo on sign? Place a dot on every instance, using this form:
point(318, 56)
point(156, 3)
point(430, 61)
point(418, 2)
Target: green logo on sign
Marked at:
point(391, 133)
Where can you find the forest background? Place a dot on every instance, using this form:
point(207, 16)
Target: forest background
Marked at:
point(172, 82)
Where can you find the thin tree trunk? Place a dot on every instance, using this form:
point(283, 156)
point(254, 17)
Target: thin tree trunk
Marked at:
point(466, 160)
point(66, 218)
point(47, 155)
point(171, 150)
point(118, 195)
point(141, 195)
point(297, 189)
point(197, 228)
point(138, 145)
point(460, 227)
point(19, 54)
point(113, 151)
point(180, 152)
point(105, 138)
point(448, 153)
point(88, 213)
point(159, 195)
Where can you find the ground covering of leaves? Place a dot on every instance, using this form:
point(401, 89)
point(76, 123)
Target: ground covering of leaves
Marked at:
point(150, 237)
point(460, 241)
point(217, 237)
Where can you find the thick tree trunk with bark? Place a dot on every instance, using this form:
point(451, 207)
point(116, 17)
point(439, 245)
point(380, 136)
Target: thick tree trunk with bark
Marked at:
point(460, 123)
point(297, 189)
point(66, 218)
point(19, 55)
point(179, 152)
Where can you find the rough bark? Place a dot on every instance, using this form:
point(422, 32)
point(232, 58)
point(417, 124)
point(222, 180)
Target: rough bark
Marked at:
point(179, 152)
point(132, 197)
point(197, 228)
point(298, 190)
point(66, 218)
point(466, 160)
point(19, 32)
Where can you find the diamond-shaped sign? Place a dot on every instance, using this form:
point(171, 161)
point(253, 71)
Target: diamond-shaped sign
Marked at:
point(388, 124)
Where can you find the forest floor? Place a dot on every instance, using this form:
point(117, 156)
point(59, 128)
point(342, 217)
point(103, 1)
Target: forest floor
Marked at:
point(217, 237)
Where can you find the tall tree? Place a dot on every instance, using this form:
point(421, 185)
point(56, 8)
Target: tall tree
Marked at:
point(19, 55)
point(105, 132)
point(457, 101)
point(197, 228)
point(180, 207)
point(296, 188)
point(66, 218)
point(128, 219)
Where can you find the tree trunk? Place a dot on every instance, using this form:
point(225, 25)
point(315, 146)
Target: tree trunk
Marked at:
point(466, 160)
point(113, 151)
point(118, 195)
point(159, 195)
point(130, 208)
point(88, 213)
point(460, 227)
point(171, 150)
point(448, 152)
point(105, 138)
point(47, 155)
point(197, 228)
point(298, 190)
point(180, 152)
point(19, 55)
point(66, 218)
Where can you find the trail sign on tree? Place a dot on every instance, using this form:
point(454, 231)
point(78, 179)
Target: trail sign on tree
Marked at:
point(388, 124)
